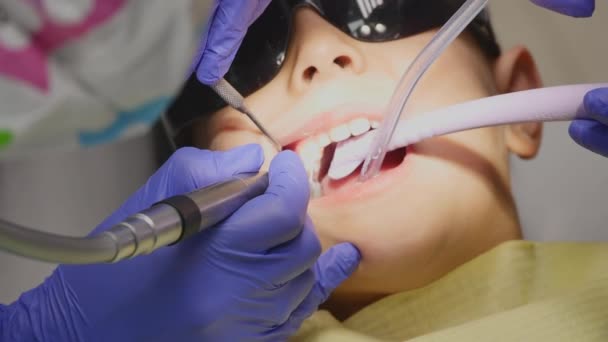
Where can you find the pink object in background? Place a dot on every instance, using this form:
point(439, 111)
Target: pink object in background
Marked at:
point(55, 32)
point(27, 62)
point(27, 65)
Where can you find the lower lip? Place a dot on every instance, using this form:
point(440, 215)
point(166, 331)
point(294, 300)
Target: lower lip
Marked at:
point(354, 190)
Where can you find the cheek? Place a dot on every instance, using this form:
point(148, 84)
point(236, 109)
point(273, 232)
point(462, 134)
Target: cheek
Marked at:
point(477, 157)
point(229, 140)
point(430, 221)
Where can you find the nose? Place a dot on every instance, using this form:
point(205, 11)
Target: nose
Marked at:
point(321, 51)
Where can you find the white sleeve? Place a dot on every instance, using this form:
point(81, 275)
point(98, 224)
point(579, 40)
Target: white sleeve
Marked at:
point(85, 72)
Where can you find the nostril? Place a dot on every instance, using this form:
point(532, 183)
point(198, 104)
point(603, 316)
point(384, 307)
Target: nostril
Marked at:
point(309, 73)
point(342, 61)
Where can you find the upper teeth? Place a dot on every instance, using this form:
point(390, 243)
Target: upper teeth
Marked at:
point(339, 133)
point(323, 140)
point(311, 150)
point(359, 126)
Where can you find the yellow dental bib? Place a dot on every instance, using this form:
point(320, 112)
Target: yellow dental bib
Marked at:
point(519, 291)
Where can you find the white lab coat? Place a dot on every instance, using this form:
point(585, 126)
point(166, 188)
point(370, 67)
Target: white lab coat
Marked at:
point(79, 73)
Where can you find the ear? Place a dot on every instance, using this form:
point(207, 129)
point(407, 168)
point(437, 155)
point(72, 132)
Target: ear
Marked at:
point(514, 71)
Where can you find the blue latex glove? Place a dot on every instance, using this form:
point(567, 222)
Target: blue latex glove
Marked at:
point(573, 8)
point(227, 28)
point(593, 134)
point(255, 277)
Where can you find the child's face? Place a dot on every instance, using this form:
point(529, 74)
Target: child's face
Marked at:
point(447, 201)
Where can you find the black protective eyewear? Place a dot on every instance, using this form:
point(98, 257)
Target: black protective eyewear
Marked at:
point(263, 50)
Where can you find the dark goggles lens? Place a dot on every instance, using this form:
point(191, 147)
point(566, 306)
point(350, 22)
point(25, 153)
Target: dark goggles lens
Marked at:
point(263, 50)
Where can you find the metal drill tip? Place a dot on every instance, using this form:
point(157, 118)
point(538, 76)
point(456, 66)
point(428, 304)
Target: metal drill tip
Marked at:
point(234, 99)
point(259, 125)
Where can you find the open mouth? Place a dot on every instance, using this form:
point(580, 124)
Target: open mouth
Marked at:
point(333, 159)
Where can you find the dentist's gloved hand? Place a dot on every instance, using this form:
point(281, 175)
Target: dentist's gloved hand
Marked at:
point(255, 277)
point(591, 134)
point(227, 28)
point(573, 8)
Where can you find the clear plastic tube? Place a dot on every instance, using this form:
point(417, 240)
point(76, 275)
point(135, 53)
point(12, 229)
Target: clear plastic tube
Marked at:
point(446, 35)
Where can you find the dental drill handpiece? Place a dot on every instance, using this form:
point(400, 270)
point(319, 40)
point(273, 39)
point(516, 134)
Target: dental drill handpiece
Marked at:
point(235, 100)
point(179, 217)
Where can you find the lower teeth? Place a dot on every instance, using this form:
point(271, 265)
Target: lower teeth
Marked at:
point(313, 168)
point(315, 189)
point(315, 186)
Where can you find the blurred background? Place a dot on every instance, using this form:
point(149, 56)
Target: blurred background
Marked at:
point(561, 195)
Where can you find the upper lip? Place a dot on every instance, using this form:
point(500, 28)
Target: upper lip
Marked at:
point(325, 120)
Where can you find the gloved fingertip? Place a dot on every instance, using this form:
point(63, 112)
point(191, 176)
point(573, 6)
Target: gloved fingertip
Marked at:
point(336, 265)
point(349, 257)
point(596, 104)
point(577, 8)
point(333, 267)
point(208, 71)
point(287, 166)
point(227, 27)
point(217, 57)
point(251, 152)
point(287, 161)
point(591, 135)
point(246, 158)
point(190, 168)
point(576, 129)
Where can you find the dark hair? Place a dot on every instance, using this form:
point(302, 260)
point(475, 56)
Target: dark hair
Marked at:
point(482, 31)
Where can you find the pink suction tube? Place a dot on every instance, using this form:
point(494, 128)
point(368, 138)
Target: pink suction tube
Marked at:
point(562, 103)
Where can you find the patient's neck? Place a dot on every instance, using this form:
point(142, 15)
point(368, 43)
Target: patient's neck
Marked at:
point(344, 306)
